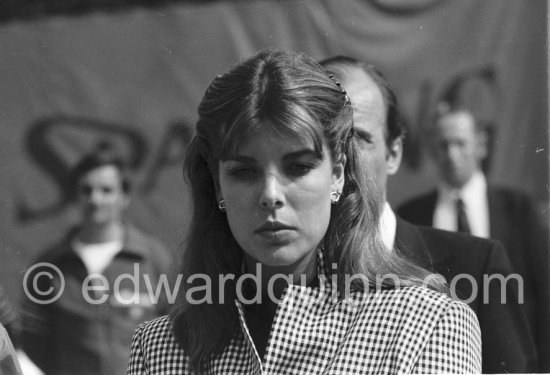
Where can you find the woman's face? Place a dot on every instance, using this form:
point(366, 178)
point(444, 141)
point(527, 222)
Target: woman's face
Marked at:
point(277, 197)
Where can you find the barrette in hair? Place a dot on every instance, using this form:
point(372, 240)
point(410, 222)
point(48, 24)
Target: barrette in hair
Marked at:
point(347, 100)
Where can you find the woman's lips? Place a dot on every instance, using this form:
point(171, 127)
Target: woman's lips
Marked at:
point(275, 231)
point(273, 226)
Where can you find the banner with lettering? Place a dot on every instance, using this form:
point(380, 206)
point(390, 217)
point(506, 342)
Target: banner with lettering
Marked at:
point(135, 76)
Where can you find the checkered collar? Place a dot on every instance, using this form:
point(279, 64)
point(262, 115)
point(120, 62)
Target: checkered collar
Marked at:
point(293, 297)
point(312, 332)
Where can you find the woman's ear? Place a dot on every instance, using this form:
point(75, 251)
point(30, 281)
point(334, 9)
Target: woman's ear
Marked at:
point(338, 177)
point(217, 191)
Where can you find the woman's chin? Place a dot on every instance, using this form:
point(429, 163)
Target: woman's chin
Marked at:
point(281, 258)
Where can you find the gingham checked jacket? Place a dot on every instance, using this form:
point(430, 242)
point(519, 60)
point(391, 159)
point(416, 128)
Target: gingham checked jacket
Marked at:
point(394, 331)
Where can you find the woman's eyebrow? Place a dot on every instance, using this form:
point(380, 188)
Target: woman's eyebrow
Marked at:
point(300, 153)
point(240, 159)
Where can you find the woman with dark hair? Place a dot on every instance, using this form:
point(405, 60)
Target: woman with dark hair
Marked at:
point(284, 269)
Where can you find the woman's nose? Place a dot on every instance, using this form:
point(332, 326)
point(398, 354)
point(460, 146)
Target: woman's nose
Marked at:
point(271, 194)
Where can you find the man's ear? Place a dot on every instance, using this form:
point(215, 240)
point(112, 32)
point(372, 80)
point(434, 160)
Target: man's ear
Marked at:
point(394, 156)
point(338, 177)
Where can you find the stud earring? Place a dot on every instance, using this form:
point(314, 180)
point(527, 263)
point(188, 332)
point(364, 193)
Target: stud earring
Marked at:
point(221, 205)
point(335, 196)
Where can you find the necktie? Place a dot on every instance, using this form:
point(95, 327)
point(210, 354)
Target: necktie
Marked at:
point(461, 218)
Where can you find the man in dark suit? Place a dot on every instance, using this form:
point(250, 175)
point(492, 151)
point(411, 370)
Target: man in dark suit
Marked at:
point(462, 259)
point(464, 201)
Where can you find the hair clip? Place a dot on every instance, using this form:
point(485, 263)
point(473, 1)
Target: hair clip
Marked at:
point(347, 100)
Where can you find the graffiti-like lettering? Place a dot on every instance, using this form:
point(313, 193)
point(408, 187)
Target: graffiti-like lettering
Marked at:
point(170, 152)
point(47, 139)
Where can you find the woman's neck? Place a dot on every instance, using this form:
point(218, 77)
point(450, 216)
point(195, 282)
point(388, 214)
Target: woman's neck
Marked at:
point(274, 279)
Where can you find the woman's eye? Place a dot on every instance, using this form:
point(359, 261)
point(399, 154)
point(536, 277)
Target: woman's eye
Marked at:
point(300, 169)
point(242, 172)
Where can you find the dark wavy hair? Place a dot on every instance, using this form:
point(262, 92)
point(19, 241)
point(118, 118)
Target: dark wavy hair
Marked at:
point(291, 93)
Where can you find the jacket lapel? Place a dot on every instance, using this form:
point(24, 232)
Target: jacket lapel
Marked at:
point(409, 242)
point(497, 219)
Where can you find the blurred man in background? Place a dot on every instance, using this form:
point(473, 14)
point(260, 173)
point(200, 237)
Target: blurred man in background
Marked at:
point(9, 364)
point(8, 314)
point(507, 345)
point(106, 266)
point(465, 202)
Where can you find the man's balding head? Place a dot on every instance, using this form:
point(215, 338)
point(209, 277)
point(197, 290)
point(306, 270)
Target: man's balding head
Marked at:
point(375, 114)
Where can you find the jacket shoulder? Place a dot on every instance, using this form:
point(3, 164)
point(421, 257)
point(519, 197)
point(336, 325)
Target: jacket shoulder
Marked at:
point(154, 349)
point(150, 247)
point(462, 242)
point(470, 254)
point(137, 237)
point(454, 345)
point(445, 331)
point(52, 253)
point(418, 210)
point(510, 201)
point(416, 300)
point(159, 329)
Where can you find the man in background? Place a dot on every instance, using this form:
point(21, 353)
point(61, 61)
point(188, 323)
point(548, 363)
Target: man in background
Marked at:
point(464, 201)
point(9, 365)
point(506, 343)
point(104, 263)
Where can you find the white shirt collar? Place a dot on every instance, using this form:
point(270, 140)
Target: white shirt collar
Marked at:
point(477, 184)
point(97, 256)
point(474, 196)
point(388, 226)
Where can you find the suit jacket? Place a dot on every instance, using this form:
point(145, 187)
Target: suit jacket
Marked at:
point(507, 345)
point(514, 222)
